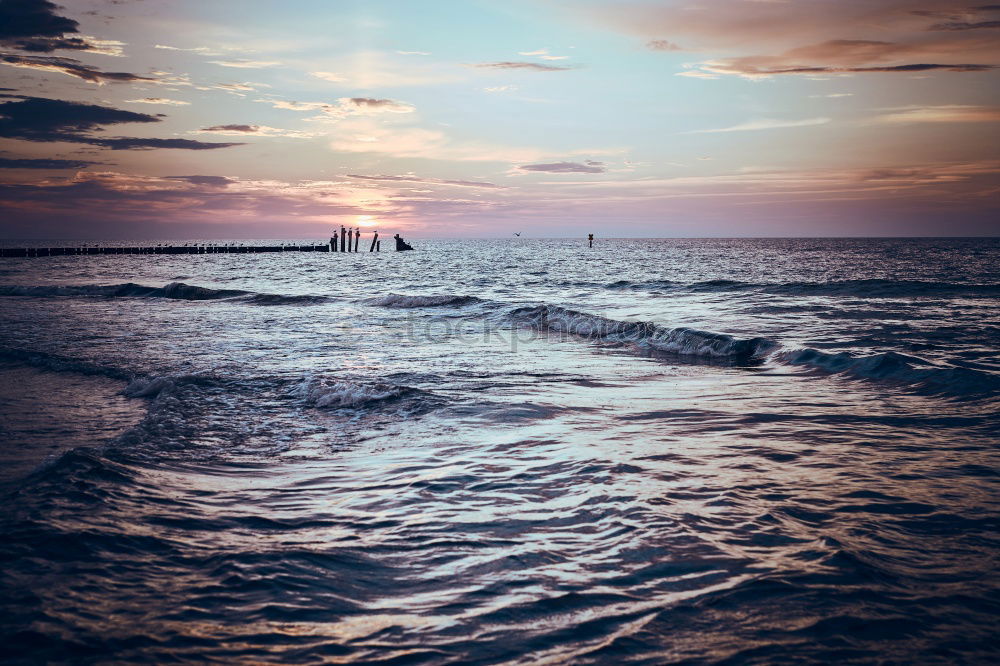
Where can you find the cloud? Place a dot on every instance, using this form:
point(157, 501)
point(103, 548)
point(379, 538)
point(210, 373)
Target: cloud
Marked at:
point(246, 64)
point(254, 130)
point(419, 53)
point(662, 45)
point(566, 167)
point(499, 89)
point(965, 25)
point(157, 100)
point(837, 36)
point(34, 26)
point(697, 74)
point(130, 143)
point(114, 201)
point(41, 119)
point(740, 67)
point(543, 54)
point(203, 50)
point(210, 181)
point(522, 65)
point(70, 67)
point(946, 113)
point(231, 128)
point(377, 105)
point(763, 124)
point(972, 19)
point(41, 163)
point(332, 77)
point(430, 181)
point(345, 106)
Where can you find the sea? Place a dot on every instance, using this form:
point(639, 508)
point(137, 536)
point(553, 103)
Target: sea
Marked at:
point(513, 451)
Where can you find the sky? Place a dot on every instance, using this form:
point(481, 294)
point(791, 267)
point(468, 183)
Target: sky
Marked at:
point(174, 119)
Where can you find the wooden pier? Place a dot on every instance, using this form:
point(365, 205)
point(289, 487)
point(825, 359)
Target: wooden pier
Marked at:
point(158, 249)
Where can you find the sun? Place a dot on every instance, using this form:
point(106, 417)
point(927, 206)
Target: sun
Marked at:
point(366, 220)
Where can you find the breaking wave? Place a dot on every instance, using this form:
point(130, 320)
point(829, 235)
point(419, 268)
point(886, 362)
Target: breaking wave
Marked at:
point(875, 288)
point(427, 301)
point(173, 290)
point(331, 393)
point(644, 335)
point(917, 373)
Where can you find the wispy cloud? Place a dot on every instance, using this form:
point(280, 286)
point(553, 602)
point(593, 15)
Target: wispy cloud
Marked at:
point(538, 67)
point(345, 106)
point(246, 64)
point(70, 67)
point(158, 100)
point(946, 113)
point(254, 130)
point(566, 167)
point(662, 45)
point(543, 54)
point(763, 124)
point(428, 181)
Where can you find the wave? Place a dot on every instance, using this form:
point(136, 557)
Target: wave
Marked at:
point(875, 288)
point(424, 301)
point(280, 299)
point(329, 393)
point(173, 290)
point(898, 368)
point(644, 335)
point(176, 290)
point(57, 363)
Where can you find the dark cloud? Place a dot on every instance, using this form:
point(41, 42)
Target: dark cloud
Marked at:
point(566, 167)
point(33, 25)
point(431, 181)
point(209, 181)
point(523, 65)
point(41, 119)
point(32, 18)
point(965, 25)
point(129, 143)
point(42, 163)
point(920, 67)
point(71, 67)
point(249, 129)
point(662, 45)
point(371, 102)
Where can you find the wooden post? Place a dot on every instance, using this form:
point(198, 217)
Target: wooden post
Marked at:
point(357, 237)
point(374, 242)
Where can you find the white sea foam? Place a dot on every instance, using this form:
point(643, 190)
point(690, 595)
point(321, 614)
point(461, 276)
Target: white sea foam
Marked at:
point(331, 393)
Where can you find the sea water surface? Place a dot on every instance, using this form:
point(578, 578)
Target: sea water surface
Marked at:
point(504, 452)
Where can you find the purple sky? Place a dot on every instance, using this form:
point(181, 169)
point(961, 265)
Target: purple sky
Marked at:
point(256, 119)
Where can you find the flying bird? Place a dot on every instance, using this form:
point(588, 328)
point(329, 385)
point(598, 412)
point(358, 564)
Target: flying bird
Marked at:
point(517, 233)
